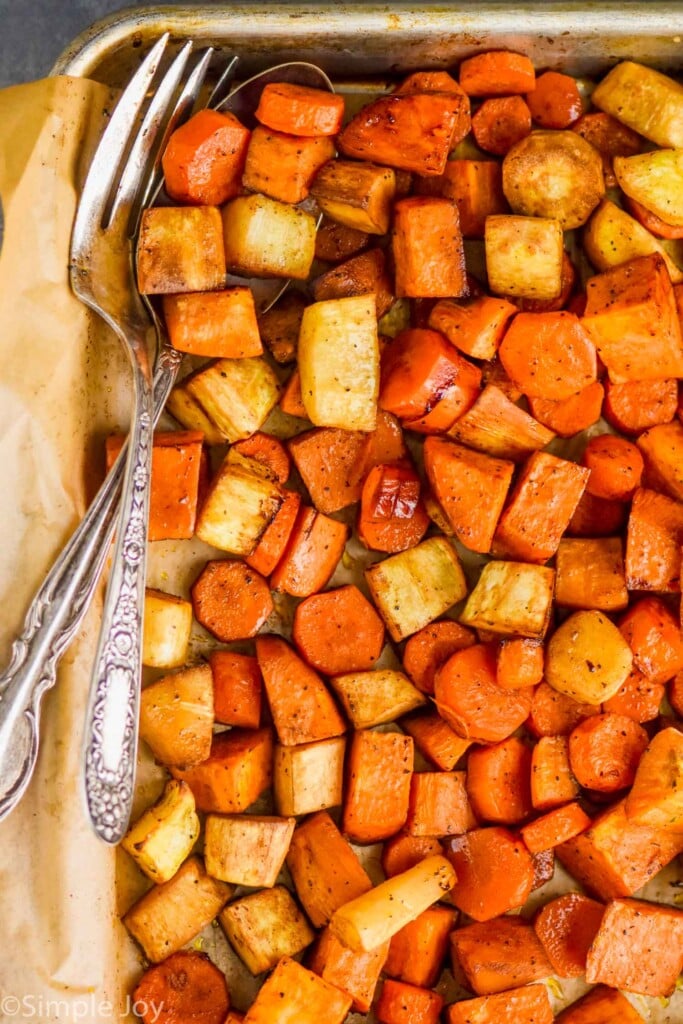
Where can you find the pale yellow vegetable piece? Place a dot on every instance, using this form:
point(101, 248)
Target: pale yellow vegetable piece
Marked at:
point(414, 587)
point(189, 413)
point(180, 249)
point(339, 362)
point(176, 716)
point(264, 927)
point(238, 509)
point(163, 836)
point(166, 628)
point(524, 256)
point(246, 849)
point(655, 180)
point(356, 194)
point(235, 394)
point(656, 797)
point(309, 777)
point(377, 696)
point(587, 658)
point(511, 598)
point(266, 238)
point(375, 917)
point(644, 99)
point(171, 914)
point(612, 237)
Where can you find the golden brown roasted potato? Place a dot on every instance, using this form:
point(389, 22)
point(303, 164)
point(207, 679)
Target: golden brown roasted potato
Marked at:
point(587, 658)
point(358, 195)
point(180, 249)
point(644, 99)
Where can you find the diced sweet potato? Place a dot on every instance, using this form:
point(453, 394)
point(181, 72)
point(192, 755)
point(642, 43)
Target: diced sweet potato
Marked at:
point(590, 574)
point(653, 541)
point(495, 872)
point(654, 636)
point(601, 1004)
point(529, 1004)
point(498, 781)
point(355, 973)
point(497, 426)
point(499, 954)
point(293, 993)
point(417, 951)
point(438, 805)
point(566, 927)
point(428, 249)
point(435, 739)
point(378, 789)
point(237, 771)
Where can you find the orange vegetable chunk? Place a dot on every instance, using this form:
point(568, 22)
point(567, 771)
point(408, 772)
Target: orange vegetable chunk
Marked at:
point(555, 101)
point(403, 851)
point(477, 188)
point(435, 739)
point(218, 324)
point(282, 165)
point(315, 546)
point(470, 487)
point(338, 631)
point(653, 541)
point(267, 451)
point(636, 405)
point(519, 663)
point(378, 789)
point(231, 600)
point(355, 973)
point(477, 327)
point(631, 316)
point(499, 954)
point(392, 515)
point(570, 416)
point(407, 1004)
point(661, 448)
point(293, 993)
point(549, 355)
point(616, 467)
point(496, 426)
point(495, 872)
point(238, 769)
point(498, 781)
point(529, 1004)
point(273, 541)
point(331, 463)
point(604, 751)
point(555, 827)
point(299, 109)
point(438, 805)
point(429, 648)
point(638, 948)
point(185, 984)
point(654, 636)
point(552, 781)
point(236, 689)
point(417, 951)
point(204, 158)
point(656, 798)
point(501, 122)
point(497, 73)
point(302, 707)
point(566, 927)
point(610, 137)
point(428, 249)
point(601, 1004)
point(554, 713)
point(638, 698)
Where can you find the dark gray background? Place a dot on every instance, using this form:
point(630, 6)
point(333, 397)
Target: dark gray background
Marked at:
point(33, 33)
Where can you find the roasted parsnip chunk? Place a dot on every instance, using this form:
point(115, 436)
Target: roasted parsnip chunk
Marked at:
point(587, 658)
point(180, 249)
point(372, 698)
point(266, 238)
point(176, 716)
point(189, 413)
point(414, 587)
point(309, 777)
point(644, 99)
point(162, 838)
point(613, 236)
point(356, 194)
point(373, 918)
point(554, 174)
point(524, 256)
point(246, 849)
point(166, 628)
point(236, 394)
point(339, 363)
point(238, 508)
point(171, 914)
point(511, 598)
point(655, 180)
point(264, 927)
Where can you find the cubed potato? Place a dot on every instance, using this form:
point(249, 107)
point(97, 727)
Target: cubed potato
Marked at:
point(163, 836)
point(655, 180)
point(356, 194)
point(371, 919)
point(590, 573)
point(644, 99)
point(189, 413)
point(339, 363)
point(374, 697)
point(264, 927)
point(176, 716)
point(180, 249)
point(613, 236)
point(238, 509)
point(266, 238)
point(171, 914)
point(236, 394)
point(511, 598)
point(414, 587)
point(587, 658)
point(246, 849)
point(309, 777)
point(524, 256)
point(166, 628)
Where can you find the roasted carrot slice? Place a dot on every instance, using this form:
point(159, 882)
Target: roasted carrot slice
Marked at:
point(519, 663)
point(218, 324)
point(497, 73)
point(653, 541)
point(552, 782)
point(204, 158)
point(291, 400)
point(236, 689)
point(400, 1003)
point(273, 541)
point(300, 110)
point(638, 698)
point(555, 827)
point(501, 122)
point(403, 851)
point(476, 328)
point(654, 636)
point(469, 698)
point(187, 985)
point(231, 600)
point(301, 705)
point(438, 805)
point(392, 515)
point(338, 631)
point(499, 954)
point(549, 355)
point(331, 463)
point(417, 951)
point(498, 782)
point(616, 467)
point(566, 927)
point(570, 416)
point(477, 188)
point(315, 546)
point(637, 405)
point(495, 872)
point(429, 648)
point(267, 450)
point(604, 751)
point(555, 101)
point(555, 714)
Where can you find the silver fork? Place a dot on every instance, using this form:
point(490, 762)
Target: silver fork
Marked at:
point(60, 604)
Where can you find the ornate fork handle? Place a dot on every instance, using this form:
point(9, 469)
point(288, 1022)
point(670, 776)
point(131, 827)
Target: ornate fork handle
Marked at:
point(56, 614)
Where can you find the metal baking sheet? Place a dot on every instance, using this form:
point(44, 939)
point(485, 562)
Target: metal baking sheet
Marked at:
point(361, 46)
